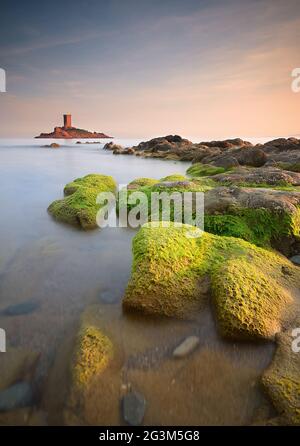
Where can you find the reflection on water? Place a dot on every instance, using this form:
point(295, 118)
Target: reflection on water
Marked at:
point(56, 272)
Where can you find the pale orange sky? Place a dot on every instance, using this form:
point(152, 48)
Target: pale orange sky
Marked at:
point(201, 70)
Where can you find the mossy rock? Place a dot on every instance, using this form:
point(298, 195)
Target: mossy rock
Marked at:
point(175, 271)
point(282, 379)
point(174, 177)
point(93, 352)
point(262, 177)
point(79, 207)
point(205, 170)
point(141, 182)
point(169, 185)
point(292, 167)
point(263, 217)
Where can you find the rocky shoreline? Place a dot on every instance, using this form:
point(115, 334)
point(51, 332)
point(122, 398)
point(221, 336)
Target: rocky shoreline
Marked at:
point(240, 266)
point(241, 275)
point(281, 152)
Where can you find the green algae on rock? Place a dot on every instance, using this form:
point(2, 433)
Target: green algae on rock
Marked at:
point(79, 207)
point(205, 170)
point(282, 379)
point(264, 217)
point(174, 274)
point(93, 352)
point(164, 189)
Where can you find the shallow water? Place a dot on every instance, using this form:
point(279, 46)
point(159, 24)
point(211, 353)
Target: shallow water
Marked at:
point(61, 271)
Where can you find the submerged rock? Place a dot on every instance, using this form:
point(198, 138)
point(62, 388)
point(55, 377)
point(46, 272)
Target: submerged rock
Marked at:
point(93, 351)
point(174, 274)
point(21, 309)
point(79, 207)
point(17, 396)
point(186, 347)
point(134, 406)
point(112, 146)
point(17, 365)
point(54, 145)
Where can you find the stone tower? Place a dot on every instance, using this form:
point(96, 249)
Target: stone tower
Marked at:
point(67, 121)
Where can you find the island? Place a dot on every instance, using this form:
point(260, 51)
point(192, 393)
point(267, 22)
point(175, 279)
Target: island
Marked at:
point(69, 132)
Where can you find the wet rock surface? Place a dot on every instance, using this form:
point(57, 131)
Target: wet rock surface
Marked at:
point(134, 406)
point(295, 259)
point(226, 153)
point(21, 309)
point(282, 378)
point(17, 396)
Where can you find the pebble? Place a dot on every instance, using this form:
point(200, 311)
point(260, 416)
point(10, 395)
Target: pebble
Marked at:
point(134, 406)
point(186, 347)
point(295, 259)
point(17, 396)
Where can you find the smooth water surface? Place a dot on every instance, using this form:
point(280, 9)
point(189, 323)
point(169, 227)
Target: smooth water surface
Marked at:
point(61, 271)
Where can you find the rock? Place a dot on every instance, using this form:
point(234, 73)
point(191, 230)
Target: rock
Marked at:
point(79, 207)
point(17, 365)
point(17, 396)
point(174, 275)
point(21, 309)
point(227, 144)
point(295, 259)
point(52, 146)
point(203, 170)
point(134, 406)
point(226, 162)
point(261, 216)
point(141, 182)
point(254, 157)
point(281, 153)
point(112, 146)
point(92, 354)
point(69, 132)
point(186, 347)
point(282, 379)
point(266, 176)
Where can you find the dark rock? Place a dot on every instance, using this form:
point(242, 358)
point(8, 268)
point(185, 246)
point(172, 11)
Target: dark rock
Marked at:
point(254, 157)
point(17, 396)
point(134, 406)
point(227, 144)
point(21, 309)
point(226, 162)
point(268, 175)
point(112, 146)
point(295, 259)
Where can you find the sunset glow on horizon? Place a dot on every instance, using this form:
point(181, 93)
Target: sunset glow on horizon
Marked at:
point(146, 68)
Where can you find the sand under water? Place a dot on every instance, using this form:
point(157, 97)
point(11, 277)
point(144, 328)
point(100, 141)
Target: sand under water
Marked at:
point(51, 275)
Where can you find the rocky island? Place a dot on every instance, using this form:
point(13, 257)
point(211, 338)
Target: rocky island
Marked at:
point(69, 132)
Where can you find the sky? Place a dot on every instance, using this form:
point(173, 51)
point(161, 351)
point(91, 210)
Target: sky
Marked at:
point(142, 68)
